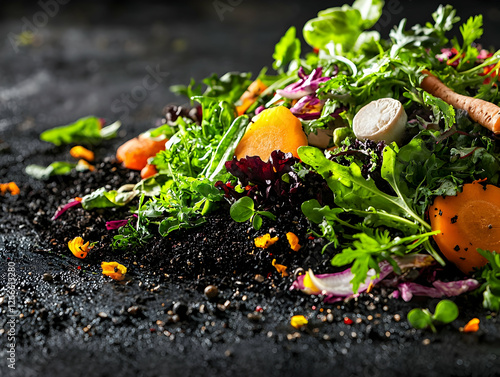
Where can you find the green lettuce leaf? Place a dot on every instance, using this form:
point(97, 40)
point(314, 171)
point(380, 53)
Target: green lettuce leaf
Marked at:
point(84, 130)
point(55, 168)
point(286, 50)
point(104, 199)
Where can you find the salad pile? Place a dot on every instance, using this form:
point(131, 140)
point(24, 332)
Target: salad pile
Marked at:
point(422, 191)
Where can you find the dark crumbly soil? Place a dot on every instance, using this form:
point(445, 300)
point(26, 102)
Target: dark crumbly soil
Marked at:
point(71, 320)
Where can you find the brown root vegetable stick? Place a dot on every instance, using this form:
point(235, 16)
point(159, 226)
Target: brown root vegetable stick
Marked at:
point(485, 113)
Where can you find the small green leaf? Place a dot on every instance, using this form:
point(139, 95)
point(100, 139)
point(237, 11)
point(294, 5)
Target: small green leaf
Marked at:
point(55, 168)
point(268, 214)
point(370, 10)
point(446, 312)
point(109, 132)
point(342, 26)
point(287, 49)
point(419, 319)
point(84, 130)
point(257, 222)
point(242, 210)
point(103, 199)
point(490, 300)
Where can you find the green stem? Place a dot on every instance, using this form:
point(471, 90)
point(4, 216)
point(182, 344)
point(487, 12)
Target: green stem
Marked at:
point(433, 253)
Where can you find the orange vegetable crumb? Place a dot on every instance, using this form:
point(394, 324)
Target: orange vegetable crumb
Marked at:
point(280, 268)
point(81, 152)
point(79, 248)
point(293, 240)
point(9, 187)
point(85, 165)
point(298, 321)
point(472, 325)
point(114, 270)
point(265, 241)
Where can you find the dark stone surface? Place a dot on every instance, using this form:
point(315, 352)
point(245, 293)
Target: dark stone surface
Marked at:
point(98, 58)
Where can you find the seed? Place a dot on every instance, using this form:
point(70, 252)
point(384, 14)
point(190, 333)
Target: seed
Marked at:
point(211, 291)
point(134, 310)
point(259, 278)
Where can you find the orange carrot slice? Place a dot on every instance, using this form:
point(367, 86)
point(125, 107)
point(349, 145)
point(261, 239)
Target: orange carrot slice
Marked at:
point(485, 113)
point(148, 171)
point(467, 221)
point(250, 96)
point(274, 129)
point(135, 153)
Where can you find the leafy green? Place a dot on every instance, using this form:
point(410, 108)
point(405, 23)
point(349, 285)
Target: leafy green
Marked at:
point(370, 11)
point(440, 110)
point(286, 50)
point(352, 190)
point(372, 247)
point(342, 26)
point(359, 196)
point(429, 36)
point(328, 220)
point(446, 312)
point(190, 91)
point(244, 209)
point(470, 30)
point(134, 236)
point(229, 87)
point(84, 130)
point(55, 168)
point(104, 199)
point(491, 276)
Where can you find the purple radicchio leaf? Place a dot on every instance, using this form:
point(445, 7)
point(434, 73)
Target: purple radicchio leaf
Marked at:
point(337, 286)
point(116, 224)
point(259, 109)
point(261, 179)
point(308, 84)
point(308, 107)
point(71, 204)
point(439, 288)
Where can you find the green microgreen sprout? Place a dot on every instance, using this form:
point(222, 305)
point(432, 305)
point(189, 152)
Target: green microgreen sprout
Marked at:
point(446, 312)
point(244, 209)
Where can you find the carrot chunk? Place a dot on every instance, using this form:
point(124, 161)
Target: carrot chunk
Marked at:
point(250, 96)
point(274, 129)
point(148, 171)
point(483, 112)
point(467, 221)
point(135, 153)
